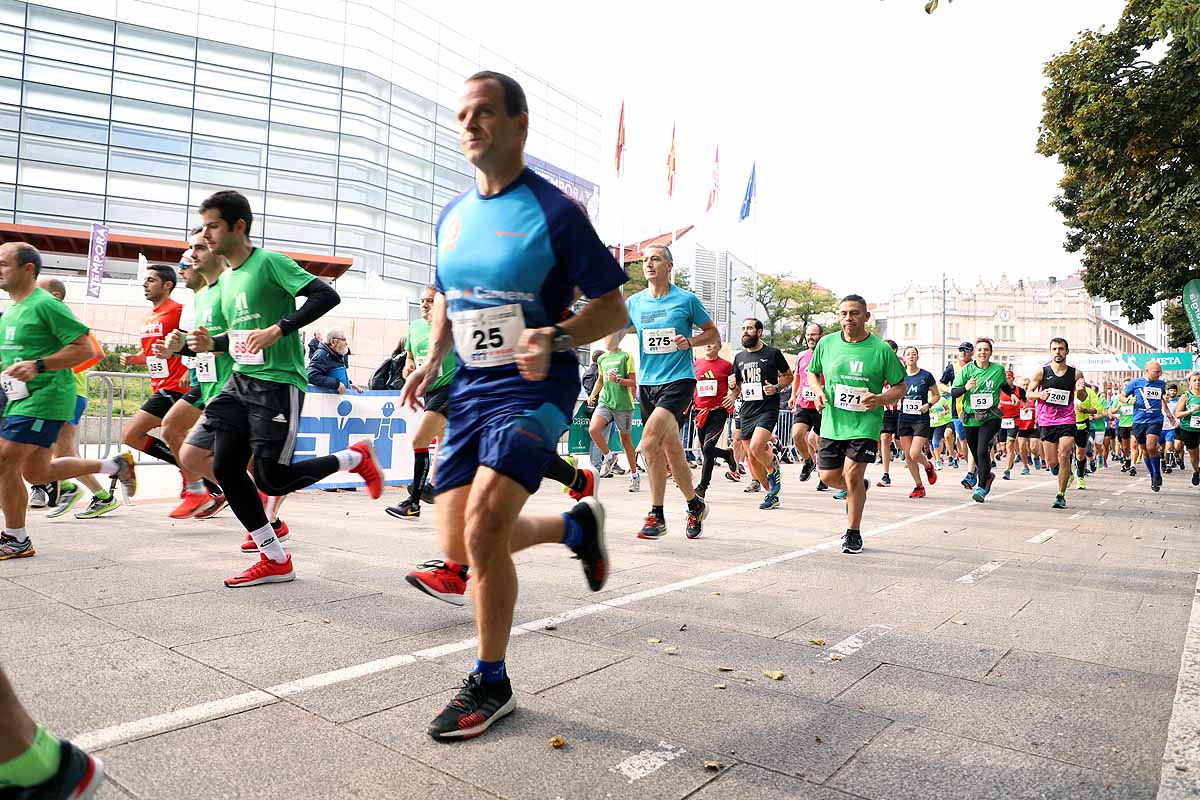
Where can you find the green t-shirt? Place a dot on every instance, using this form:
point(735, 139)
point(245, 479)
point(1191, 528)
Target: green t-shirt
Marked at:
point(939, 413)
point(257, 295)
point(418, 346)
point(81, 384)
point(983, 402)
point(207, 303)
point(1192, 421)
point(1124, 413)
point(614, 395)
point(1090, 405)
point(39, 326)
point(850, 370)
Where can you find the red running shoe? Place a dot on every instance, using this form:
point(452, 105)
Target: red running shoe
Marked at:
point(445, 580)
point(368, 469)
point(264, 571)
point(931, 474)
point(589, 487)
point(192, 502)
point(281, 534)
point(917, 492)
point(217, 502)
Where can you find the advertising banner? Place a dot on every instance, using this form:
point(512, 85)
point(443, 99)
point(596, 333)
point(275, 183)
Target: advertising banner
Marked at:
point(578, 189)
point(97, 253)
point(580, 441)
point(1191, 304)
point(332, 422)
point(1118, 362)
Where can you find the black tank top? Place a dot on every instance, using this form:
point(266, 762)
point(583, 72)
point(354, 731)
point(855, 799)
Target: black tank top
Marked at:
point(1052, 381)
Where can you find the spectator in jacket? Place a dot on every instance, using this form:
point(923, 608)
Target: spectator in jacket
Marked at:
point(328, 366)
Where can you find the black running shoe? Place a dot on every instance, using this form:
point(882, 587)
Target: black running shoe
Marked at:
point(695, 521)
point(852, 542)
point(427, 494)
point(591, 551)
point(406, 510)
point(474, 709)
point(79, 777)
point(1196, 478)
point(807, 470)
point(822, 486)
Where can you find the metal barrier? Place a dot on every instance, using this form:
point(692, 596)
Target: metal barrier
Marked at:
point(113, 397)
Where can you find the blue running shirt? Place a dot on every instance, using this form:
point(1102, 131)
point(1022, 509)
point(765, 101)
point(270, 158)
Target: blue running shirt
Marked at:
point(1147, 400)
point(676, 313)
point(512, 261)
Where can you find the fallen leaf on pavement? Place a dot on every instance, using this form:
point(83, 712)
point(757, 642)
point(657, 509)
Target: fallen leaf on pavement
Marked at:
point(652, 640)
point(716, 594)
point(720, 686)
point(835, 657)
point(550, 628)
point(819, 739)
point(671, 651)
point(557, 742)
point(774, 675)
point(724, 669)
point(683, 627)
point(817, 642)
point(713, 765)
point(958, 622)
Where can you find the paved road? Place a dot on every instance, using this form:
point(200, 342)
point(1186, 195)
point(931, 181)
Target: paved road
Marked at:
point(1004, 650)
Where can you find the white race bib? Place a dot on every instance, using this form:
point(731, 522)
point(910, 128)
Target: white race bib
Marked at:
point(911, 406)
point(1151, 393)
point(157, 366)
point(752, 392)
point(189, 362)
point(706, 388)
point(241, 351)
point(206, 367)
point(809, 395)
point(1026, 413)
point(849, 398)
point(659, 340)
point(487, 337)
point(13, 389)
point(1008, 423)
point(1058, 397)
point(981, 402)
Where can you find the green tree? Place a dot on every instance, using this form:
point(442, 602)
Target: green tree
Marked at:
point(1179, 328)
point(789, 306)
point(637, 278)
point(1127, 133)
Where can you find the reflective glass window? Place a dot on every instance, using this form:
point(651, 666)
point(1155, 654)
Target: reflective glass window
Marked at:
point(228, 79)
point(226, 127)
point(231, 103)
point(8, 144)
point(61, 176)
point(363, 259)
point(410, 165)
point(8, 170)
point(147, 187)
point(287, 113)
point(66, 126)
point(409, 185)
point(154, 90)
point(242, 58)
point(300, 207)
point(400, 247)
point(452, 180)
point(300, 161)
point(302, 138)
point(199, 191)
point(356, 170)
point(64, 100)
point(358, 125)
point(158, 214)
point(10, 91)
point(8, 199)
point(126, 109)
point(10, 118)
point(412, 102)
point(322, 21)
point(139, 137)
point(358, 103)
point(69, 50)
point(231, 150)
point(371, 85)
point(299, 230)
point(408, 228)
point(451, 160)
point(155, 14)
point(147, 40)
point(408, 206)
point(64, 22)
point(355, 192)
point(69, 203)
point(300, 184)
point(321, 98)
point(136, 62)
point(62, 73)
point(81, 154)
point(12, 12)
point(139, 162)
point(358, 147)
point(362, 238)
point(235, 176)
point(355, 214)
point(302, 69)
point(291, 246)
point(408, 143)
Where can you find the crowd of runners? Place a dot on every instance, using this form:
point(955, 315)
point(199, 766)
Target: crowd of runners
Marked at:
point(493, 371)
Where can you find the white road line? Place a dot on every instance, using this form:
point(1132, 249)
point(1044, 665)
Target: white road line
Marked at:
point(1102, 502)
point(1044, 536)
point(857, 641)
point(1078, 514)
point(980, 572)
point(205, 712)
point(1181, 757)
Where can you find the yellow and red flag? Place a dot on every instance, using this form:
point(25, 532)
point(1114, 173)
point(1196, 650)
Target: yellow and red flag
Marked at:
point(712, 194)
point(620, 138)
point(671, 165)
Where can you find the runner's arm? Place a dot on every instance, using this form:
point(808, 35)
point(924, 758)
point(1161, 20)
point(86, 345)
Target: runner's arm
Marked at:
point(319, 299)
point(601, 316)
point(933, 395)
point(76, 352)
point(1080, 386)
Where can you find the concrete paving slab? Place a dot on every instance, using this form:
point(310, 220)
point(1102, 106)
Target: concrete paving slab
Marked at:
point(599, 760)
point(32, 630)
point(383, 617)
point(536, 661)
point(317, 758)
point(751, 783)
point(361, 697)
point(907, 762)
point(13, 595)
point(52, 558)
point(761, 614)
point(172, 621)
point(103, 586)
point(96, 687)
point(765, 728)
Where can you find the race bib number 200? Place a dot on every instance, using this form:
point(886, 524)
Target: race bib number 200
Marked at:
point(487, 337)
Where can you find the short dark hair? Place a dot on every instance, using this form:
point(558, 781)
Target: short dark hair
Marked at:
point(666, 251)
point(853, 298)
point(983, 339)
point(515, 102)
point(232, 206)
point(758, 326)
point(193, 231)
point(1060, 339)
point(892, 344)
point(165, 273)
point(28, 254)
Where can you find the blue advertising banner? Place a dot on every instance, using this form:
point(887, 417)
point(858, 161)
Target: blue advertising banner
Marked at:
point(578, 189)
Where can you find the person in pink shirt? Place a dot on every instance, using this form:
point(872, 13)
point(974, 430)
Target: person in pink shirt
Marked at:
point(806, 425)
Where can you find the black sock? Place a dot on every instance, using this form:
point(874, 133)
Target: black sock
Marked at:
point(420, 473)
point(560, 471)
point(851, 530)
point(212, 487)
point(158, 448)
point(695, 503)
point(658, 512)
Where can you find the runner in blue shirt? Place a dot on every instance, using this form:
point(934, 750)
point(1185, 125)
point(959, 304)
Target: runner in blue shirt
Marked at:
point(511, 251)
point(665, 317)
point(1147, 394)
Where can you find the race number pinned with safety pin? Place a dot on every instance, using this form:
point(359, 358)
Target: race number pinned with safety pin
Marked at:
point(1058, 397)
point(660, 340)
point(849, 398)
point(239, 348)
point(487, 337)
point(206, 367)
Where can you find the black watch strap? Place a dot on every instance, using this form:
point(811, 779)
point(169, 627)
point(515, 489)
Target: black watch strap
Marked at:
point(41, 365)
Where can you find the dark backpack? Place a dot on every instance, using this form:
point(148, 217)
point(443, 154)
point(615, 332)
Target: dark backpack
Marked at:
point(389, 374)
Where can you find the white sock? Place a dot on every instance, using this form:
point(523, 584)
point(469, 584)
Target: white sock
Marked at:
point(268, 544)
point(16, 533)
point(110, 466)
point(348, 459)
point(195, 487)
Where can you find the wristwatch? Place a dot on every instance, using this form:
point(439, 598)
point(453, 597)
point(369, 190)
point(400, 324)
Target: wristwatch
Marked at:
point(41, 365)
point(562, 341)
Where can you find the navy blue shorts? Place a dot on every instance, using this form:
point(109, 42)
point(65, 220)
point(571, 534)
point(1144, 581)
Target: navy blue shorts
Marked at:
point(514, 435)
point(31, 430)
point(1143, 429)
point(80, 407)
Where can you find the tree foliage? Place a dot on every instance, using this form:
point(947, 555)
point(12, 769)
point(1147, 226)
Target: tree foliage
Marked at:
point(637, 278)
point(1179, 328)
point(789, 306)
point(1126, 130)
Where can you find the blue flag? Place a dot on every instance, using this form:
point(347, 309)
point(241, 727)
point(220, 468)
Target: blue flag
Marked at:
point(745, 212)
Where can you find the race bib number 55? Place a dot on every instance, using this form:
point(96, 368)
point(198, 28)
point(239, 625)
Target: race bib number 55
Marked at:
point(660, 340)
point(487, 337)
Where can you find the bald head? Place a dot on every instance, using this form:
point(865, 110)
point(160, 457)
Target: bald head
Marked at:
point(54, 286)
point(1153, 370)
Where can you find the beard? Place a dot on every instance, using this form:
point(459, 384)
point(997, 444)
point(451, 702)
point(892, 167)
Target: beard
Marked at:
point(749, 341)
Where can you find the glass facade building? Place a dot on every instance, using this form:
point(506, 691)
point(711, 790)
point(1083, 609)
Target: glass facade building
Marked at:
point(334, 118)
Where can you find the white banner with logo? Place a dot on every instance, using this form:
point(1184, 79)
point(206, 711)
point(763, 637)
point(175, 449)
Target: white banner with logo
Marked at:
point(332, 422)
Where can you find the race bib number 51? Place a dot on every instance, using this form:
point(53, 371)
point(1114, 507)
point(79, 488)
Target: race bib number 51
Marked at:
point(487, 337)
point(660, 340)
point(206, 367)
point(849, 398)
point(240, 350)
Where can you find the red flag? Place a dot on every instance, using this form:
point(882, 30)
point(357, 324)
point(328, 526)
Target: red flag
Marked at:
point(671, 165)
point(620, 138)
point(712, 195)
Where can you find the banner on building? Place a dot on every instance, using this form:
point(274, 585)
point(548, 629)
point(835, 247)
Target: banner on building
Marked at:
point(1117, 362)
point(97, 254)
point(332, 422)
point(578, 189)
point(1191, 304)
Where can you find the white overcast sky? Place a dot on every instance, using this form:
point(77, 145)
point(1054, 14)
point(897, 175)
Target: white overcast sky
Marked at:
point(891, 145)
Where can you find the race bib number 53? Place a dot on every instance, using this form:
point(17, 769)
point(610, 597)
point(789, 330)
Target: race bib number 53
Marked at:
point(660, 340)
point(487, 337)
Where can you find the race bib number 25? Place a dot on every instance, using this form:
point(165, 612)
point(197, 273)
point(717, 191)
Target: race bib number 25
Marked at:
point(487, 337)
